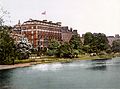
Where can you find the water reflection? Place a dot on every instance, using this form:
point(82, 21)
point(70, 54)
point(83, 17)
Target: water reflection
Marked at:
point(84, 73)
point(102, 68)
point(5, 79)
point(98, 65)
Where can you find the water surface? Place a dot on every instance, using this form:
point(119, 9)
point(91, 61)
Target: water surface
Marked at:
point(90, 74)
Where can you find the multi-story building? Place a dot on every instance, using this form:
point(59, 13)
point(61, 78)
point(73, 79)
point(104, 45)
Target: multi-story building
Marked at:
point(40, 32)
point(67, 33)
point(112, 38)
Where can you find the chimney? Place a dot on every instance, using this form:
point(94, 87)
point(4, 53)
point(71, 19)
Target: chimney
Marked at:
point(19, 22)
point(50, 21)
point(117, 36)
point(44, 20)
point(59, 23)
point(71, 29)
point(74, 31)
point(30, 19)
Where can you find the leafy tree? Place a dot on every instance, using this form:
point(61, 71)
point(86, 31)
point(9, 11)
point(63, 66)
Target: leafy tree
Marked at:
point(44, 51)
point(61, 50)
point(88, 38)
point(96, 42)
point(87, 49)
point(23, 49)
point(7, 48)
point(3, 14)
point(75, 53)
point(65, 50)
point(76, 42)
point(76, 45)
point(89, 43)
point(53, 47)
point(101, 41)
point(116, 45)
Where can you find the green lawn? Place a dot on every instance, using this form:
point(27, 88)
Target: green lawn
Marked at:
point(51, 59)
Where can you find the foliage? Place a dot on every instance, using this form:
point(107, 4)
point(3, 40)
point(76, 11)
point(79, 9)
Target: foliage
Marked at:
point(7, 48)
point(54, 44)
point(53, 47)
point(23, 61)
point(76, 45)
point(116, 46)
point(76, 42)
point(75, 53)
point(65, 51)
point(101, 41)
point(88, 38)
point(3, 15)
point(8, 51)
point(94, 43)
point(23, 49)
point(87, 48)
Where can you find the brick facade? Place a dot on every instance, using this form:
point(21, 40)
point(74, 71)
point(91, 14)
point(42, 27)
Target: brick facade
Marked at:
point(40, 32)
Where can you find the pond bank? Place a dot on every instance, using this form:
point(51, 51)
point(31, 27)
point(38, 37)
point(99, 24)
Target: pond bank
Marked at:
point(44, 60)
point(3, 67)
point(22, 63)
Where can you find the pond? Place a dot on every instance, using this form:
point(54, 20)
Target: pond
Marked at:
point(84, 74)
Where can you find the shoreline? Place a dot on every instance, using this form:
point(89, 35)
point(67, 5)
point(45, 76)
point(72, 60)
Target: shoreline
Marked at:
point(5, 67)
point(21, 65)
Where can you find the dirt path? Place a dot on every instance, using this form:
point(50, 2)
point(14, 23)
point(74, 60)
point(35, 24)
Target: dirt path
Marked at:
point(14, 66)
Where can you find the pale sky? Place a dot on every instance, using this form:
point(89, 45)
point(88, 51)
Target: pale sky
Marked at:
point(84, 15)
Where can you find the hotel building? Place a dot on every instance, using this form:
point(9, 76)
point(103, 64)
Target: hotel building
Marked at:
point(40, 32)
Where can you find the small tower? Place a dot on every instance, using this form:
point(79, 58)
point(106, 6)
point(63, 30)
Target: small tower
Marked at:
point(19, 22)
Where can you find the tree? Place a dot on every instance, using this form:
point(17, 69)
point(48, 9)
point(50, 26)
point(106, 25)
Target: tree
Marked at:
point(96, 42)
point(101, 41)
point(3, 13)
point(53, 47)
point(76, 45)
point(87, 49)
point(65, 50)
point(7, 48)
point(61, 50)
point(88, 38)
point(76, 42)
point(116, 45)
point(7, 45)
point(89, 43)
point(23, 48)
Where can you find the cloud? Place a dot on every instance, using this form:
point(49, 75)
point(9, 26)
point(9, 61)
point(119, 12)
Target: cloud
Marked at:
point(84, 15)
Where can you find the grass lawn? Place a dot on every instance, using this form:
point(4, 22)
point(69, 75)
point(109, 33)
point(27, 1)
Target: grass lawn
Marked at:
point(51, 59)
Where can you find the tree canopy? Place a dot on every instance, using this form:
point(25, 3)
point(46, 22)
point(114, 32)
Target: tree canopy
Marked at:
point(116, 46)
point(95, 42)
point(53, 47)
point(88, 38)
point(69, 50)
point(76, 42)
point(7, 48)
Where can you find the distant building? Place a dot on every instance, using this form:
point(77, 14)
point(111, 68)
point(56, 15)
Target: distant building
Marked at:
point(112, 38)
point(40, 32)
point(117, 36)
point(67, 33)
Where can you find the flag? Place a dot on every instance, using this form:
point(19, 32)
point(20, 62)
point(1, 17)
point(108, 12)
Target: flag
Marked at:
point(43, 13)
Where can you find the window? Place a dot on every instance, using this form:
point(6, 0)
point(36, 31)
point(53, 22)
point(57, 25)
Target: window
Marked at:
point(34, 27)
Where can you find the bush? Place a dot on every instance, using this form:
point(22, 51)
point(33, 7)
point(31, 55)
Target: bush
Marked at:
point(23, 61)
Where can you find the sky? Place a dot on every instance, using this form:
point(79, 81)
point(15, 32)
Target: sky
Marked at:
point(84, 15)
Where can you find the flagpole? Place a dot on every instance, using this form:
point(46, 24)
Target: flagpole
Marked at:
point(44, 15)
